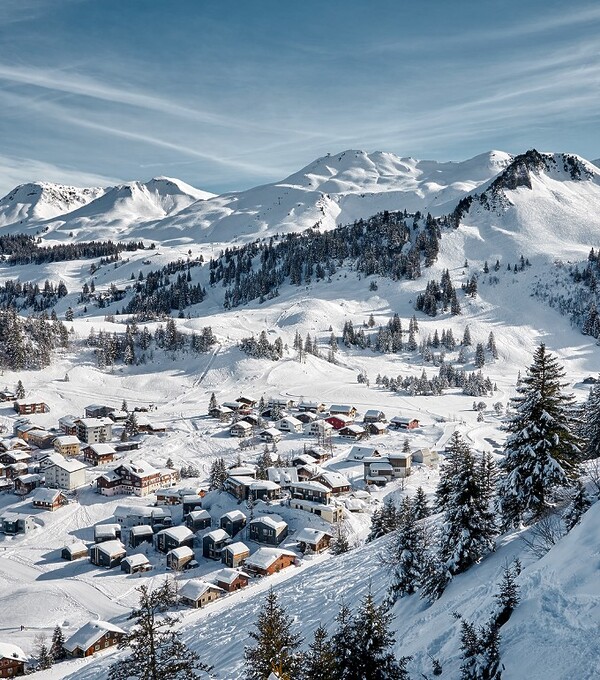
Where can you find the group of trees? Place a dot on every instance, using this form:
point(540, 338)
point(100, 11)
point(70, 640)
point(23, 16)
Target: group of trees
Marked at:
point(262, 348)
point(27, 343)
point(360, 648)
point(28, 295)
point(440, 296)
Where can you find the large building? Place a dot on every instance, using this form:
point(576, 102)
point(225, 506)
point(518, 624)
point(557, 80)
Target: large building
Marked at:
point(139, 478)
point(65, 474)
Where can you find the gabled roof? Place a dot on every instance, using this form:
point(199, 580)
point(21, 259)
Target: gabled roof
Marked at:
point(43, 495)
point(141, 530)
point(110, 547)
point(357, 429)
point(87, 636)
point(67, 439)
point(233, 515)
point(199, 514)
point(228, 576)
point(362, 451)
point(195, 589)
point(141, 468)
point(136, 560)
point(69, 465)
point(237, 548)
point(273, 431)
point(273, 521)
point(373, 413)
point(283, 475)
point(333, 479)
point(218, 535)
point(308, 535)
point(291, 421)
point(8, 651)
point(341, 408)
point(263, 558)
point(178, 533)
point(90, 423)
point(312, 486)
point(78, 547)
point(101, 449)
point(183, 551)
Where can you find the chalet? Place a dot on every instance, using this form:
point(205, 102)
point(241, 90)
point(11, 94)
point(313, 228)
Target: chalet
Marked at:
point(280, 402)
point(235, 554)
point(197, 593)
point(67, 445)
point(334, 481)
point(311, 406)
point(267, 561)
point(99, 454)
point(48, 499)
point(66, 474)
point(246, 402)
point(213, 544)
point(343, 410)
point(242, 471)
point(42, 439)
point(329, 513)
point(141, 534)
point(233, 522)
point(402, 423)
point(355, 432)
point(94, 637)
point(144, 424)
point(231, 580)
point(300, 459)
point(141, 515)
point(191, 503)
point(118, 416)
point(375, 429)
point(318, 453)
point(196, 520)
point(23, 430)
point(94, 430)
point(311, 491)
point(179, 559)
point(337, 422)
point(98, 411)
point(174, 537)
point(313, 540)
point(377, 470)
point(107, 532)
point(139, 478)
point(7, 395)
point(135, 564)
point(239, 486)
point(74, 551)
point(127, 446)
point(307, 417)
point(16, 523)
point(269, 529)
point(12, 660)
point(25, 484)
point(221, 413)
point(360, 452)
point(283, 476)
point(68, 425)
point(27, 407)
point(374, 416)
point(429, 457)
point(401, 463)
point(252, 419)
point(234, 406)
point(290, 424)
point(16, 470)
point(271, 435)
point(243, 488)
point(14, 444)
point(168, 497)
point(108, 554)
point(274, 413)
point(240, 429)
point(15, 456)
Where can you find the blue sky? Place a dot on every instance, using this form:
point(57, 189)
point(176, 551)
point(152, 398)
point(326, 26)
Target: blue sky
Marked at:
point(230, 94)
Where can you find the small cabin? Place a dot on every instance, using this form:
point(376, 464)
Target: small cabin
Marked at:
point(198, 520)
point(269, 529)
point(196, 593)
point(108, 554)
point(354, 432)
point(74, 551)
point(268, 561)
point(233, 522)
point(231, 580)
point(140, 534)
point(12, 660)
point(374, 416)
point(240, 429)
point(213, 544)
point(402, 423)
point(107, 532)
point(94, 637)
point(271, 435)
point(174, 537)
point(235, 554)
point(180, 558)
point(135, 564)
point(48, 499)
point(313, 540)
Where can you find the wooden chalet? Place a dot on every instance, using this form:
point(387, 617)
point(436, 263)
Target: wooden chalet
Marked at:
point(48, 499)
point(191, 503)
point(376, 429)
point(269, 529)
point(231, 580)
point(354, 432)
point(374, 416)
point(7, 395)
point(27, 407)
point(98, 411)
point(108, 554)
point(402, 423)
point(327, 512)
point(336, 421)
point(306, 417)
point(67, 445)
point(94, 637)
point(246, 402)
point(221, 413)
point(140, 534)
point(180, 558)
point(68, 425)
point(290, 424)
point(16, 523)
point(135, 564)
point(99, 454)
point(213, 544)
point(174, 537)
point(41, 439)
point(233, 522)
point(107, 532)
point(235, 554)
point(313, 540)
point(12, 660)
point(74, 551)
point(25, 484)
point(271, 435)
point(168, 496)
point(334, 481)
point(196, 593)
point(240, 429)
point(311, 491)
point(268, 561)
point(311, 407)
point(197, 520)
point(343, 410)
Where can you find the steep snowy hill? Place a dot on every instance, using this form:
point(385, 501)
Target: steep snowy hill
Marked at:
point(543, 203)
point(38, 201)
point(333, 190)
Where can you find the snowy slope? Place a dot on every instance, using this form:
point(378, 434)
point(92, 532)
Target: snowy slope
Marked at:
point(333, 190)
point(38, 201)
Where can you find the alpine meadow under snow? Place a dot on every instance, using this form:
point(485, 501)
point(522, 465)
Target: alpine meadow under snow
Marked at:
point(429, 330)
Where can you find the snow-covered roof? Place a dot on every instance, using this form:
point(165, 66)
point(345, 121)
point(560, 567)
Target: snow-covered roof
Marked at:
point(136, 560)
point(362, 451)
point(180, 553)
point(141, 530)
point(78, 547)
point(290, 420)
point(195, 589)
point(87, 636)
point(26, 479)
point(340, 408)
point(102, 449)
point(402, 419)
point(178, 533)
point(274, 521)
point(141, 468)
point(91, 423)
point(19, 455)
point(273, 431)
point(263, 558)
point(357, 429)
point(69, 465)
point(241, 424)
point(241, 471)
point(43, 495)
point(110, 547)
point(398, 455)
point(106, 529)
point(237, 548)
point(199, 514)
point(378, 465)
point(218, 535)
point(373, 413)
point(334, 479)
point(228, 575)
point(378, 426)
point(233, 515)
point(67, 440)
point(283, 475)
point(264, 484)
point(110, 476)
point(312, 486)
point(309, 535)
point(8, 651)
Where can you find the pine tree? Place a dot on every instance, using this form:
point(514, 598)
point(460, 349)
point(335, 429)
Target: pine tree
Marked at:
point(591, 423)
point(342, 643)
point(320, 662)
point(384, 520)
point(373, 644)
point(456, 448)
point(579, 505)
point(466, 341)
point(57, 648)
point(541, 452)
point(468, 530)
point(276, 646)
point(339, 542)
point(124, 407)
point(480, 652)
point(131, 424)
point(479, 355)
point(491, 345)
point(20, 391)
point(420, 506)
point(217, 475)
point(263, 462)
point(156, 649)
point(42, 653)
point(508, 596)
point(213, 403)
point(169, 464)
point(435, 577)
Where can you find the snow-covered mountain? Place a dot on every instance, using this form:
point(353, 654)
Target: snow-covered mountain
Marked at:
point(39, 201)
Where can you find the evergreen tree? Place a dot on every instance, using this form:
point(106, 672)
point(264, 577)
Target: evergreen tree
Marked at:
point(383, 520)
point(456, 448)
point(320, 662)
point(170, 463)
point(591, 423)
point(373, 644)
point(420, 506)
point(342, 643)
point(541, 452)
point(508, 597)
point(480, 652)
point(213, 403)
point(131, 424)
point(434, 578)
point(276, 646)
point(217, 475)
point(479, 355)
point(20, 391)
point(263, 462)
point(156, 649)
point(466, 341)
point(339, 543)
point(491, 345)
point(579, 505)
point(42, 653)
point(468, 529)
point(57, 648)
point(124, 407)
